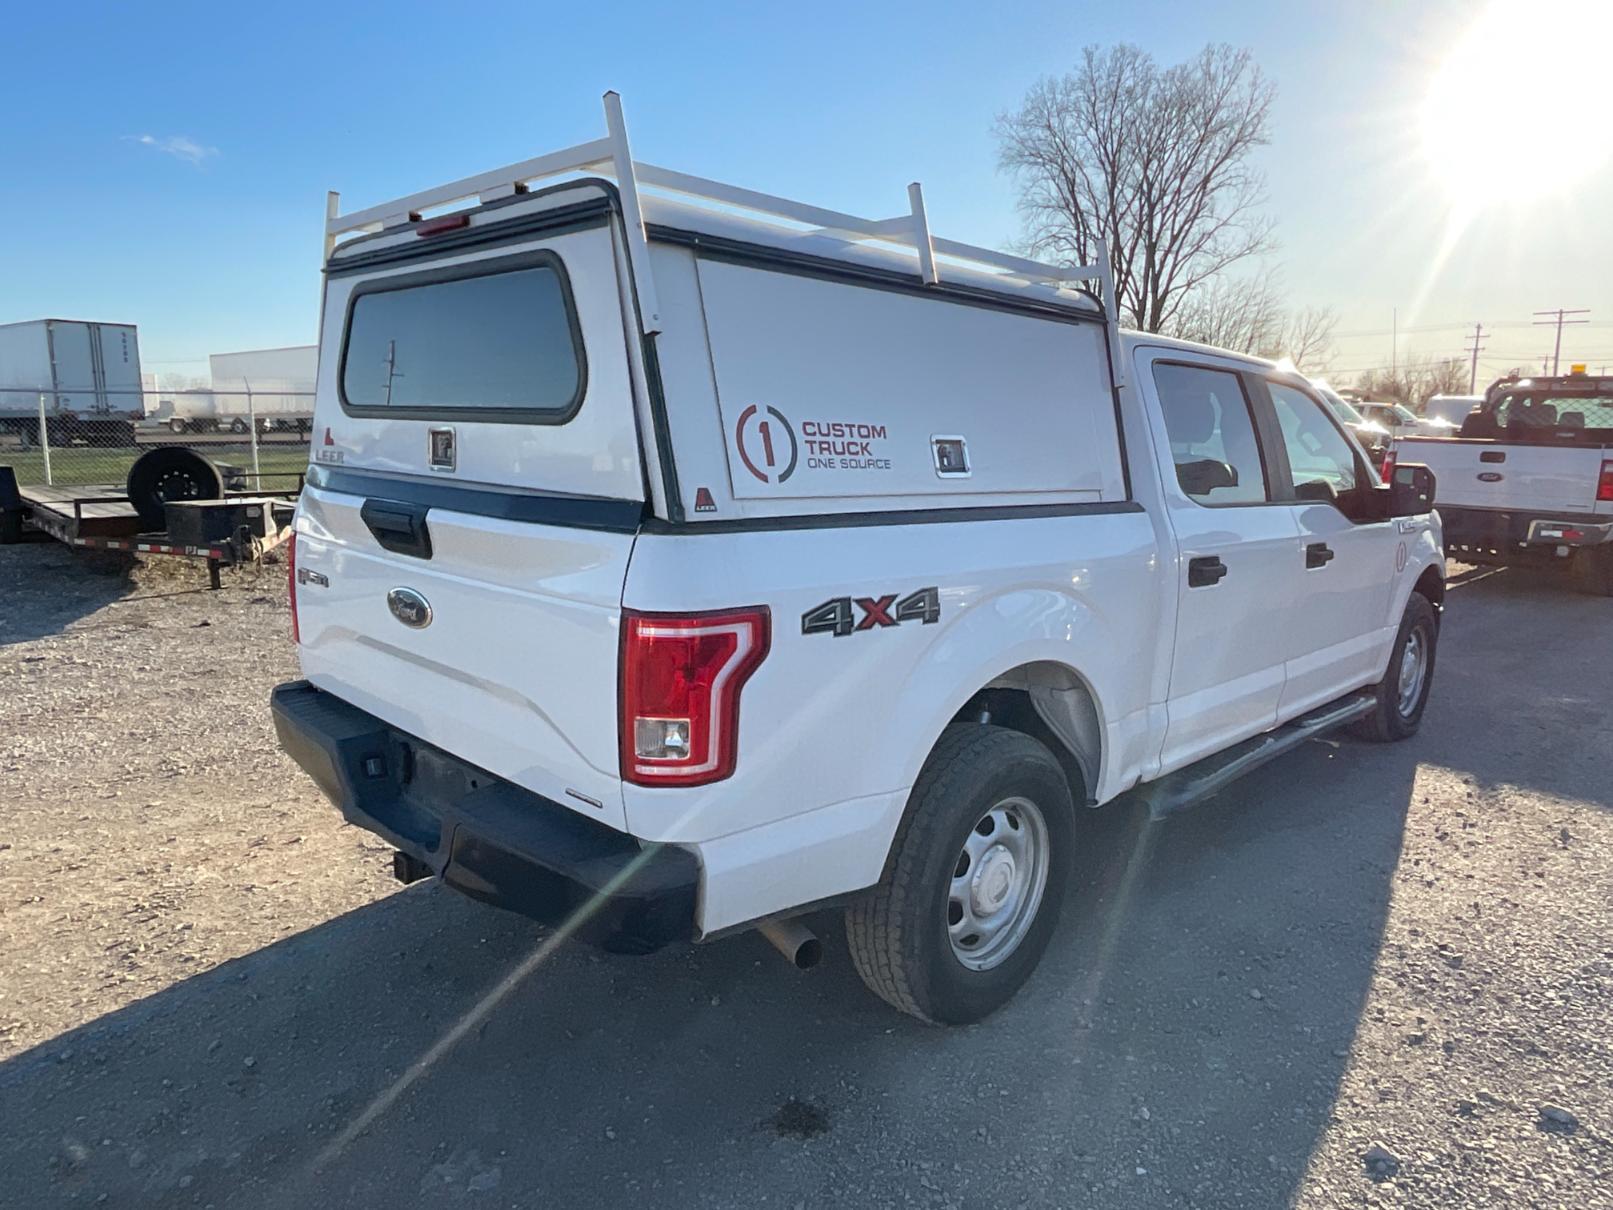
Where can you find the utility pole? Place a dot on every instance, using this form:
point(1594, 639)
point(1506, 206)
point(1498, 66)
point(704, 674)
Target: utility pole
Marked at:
point(1559, 321)
point(1473, 372)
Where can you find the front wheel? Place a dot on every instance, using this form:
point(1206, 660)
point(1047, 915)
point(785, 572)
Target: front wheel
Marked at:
point(975, 880)
point(1403, 692)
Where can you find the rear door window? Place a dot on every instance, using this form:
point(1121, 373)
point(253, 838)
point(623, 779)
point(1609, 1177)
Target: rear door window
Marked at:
point(497, 342)
point(1212, 434)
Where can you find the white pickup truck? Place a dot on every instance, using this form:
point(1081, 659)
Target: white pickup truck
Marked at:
point(670, 566)
point(1529, 480)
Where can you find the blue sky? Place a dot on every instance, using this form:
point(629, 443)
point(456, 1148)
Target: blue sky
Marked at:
point(166, 165)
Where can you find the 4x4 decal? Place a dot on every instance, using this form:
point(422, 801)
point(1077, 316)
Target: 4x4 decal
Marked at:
point(838, 615)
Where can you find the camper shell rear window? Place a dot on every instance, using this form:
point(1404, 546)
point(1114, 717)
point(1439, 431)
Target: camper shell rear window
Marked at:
point(492, 340)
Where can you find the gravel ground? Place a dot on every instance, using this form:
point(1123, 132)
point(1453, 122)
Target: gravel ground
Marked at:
point(1364, 976)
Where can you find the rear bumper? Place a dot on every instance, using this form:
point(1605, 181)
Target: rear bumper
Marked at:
point(493, 841)
point(1494, 535)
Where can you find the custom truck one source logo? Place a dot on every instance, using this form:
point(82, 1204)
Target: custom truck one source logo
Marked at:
point(766, 444)
point(770, 450)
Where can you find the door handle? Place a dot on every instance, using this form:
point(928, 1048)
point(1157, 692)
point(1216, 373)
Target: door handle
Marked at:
point(1318, 554)
point(1492, 455)
point(1205, 572)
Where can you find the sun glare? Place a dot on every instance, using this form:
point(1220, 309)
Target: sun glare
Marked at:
point(1522, 96)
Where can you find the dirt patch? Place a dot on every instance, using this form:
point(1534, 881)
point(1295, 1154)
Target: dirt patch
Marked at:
point(153, 829)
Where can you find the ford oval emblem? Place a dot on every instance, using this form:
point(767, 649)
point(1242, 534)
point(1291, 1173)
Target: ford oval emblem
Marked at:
point(409, 607)
point(1491, 476)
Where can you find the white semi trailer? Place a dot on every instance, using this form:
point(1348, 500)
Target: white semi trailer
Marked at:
point(275, 386)
point(87, 374)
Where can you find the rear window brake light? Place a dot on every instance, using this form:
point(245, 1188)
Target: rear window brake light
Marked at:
point(436, 226)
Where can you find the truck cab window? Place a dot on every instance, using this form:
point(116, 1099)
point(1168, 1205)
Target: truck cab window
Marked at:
point(1320, 457)
point(1212, 434)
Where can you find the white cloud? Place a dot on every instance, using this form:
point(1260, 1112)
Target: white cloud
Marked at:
point(181, 147)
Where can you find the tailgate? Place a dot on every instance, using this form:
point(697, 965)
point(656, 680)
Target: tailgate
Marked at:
point(465, 533)
point(1514, 477)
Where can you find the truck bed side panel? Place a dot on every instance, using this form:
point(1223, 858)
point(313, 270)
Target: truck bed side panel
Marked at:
point(833, 720)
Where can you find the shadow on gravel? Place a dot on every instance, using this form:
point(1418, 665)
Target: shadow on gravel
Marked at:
point(1524, 666)
point(45, 587)
point(1181, 1044)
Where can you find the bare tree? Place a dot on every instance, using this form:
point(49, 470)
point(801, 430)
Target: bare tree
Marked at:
point(1153, 161)
point(1416, 382)
point(1242, 314)
point(1246, 315)
point(1308, 339)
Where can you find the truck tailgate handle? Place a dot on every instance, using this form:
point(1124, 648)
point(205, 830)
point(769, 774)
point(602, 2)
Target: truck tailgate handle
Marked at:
point(398, 527)
point(1205, 572)
point(1492, 455)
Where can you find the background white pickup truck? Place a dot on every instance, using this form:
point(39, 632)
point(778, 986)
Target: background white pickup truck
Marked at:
point(1530, 478)
point(666, 569)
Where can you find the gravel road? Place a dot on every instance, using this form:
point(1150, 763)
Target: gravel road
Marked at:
point(1363, 976)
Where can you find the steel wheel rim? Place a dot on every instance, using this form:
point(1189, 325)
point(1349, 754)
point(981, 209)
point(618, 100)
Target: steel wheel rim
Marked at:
point(1413, 671)
point(997, 884)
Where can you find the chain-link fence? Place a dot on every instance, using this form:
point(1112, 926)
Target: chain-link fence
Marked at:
point(258, 437)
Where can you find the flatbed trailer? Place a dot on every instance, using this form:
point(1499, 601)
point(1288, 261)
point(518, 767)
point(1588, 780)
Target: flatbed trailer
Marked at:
point(102, 517)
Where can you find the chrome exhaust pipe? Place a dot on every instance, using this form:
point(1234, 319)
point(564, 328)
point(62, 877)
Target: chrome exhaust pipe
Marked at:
point(796, 943)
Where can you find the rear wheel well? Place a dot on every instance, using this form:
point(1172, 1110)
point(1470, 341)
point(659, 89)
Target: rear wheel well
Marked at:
point(1052, 705)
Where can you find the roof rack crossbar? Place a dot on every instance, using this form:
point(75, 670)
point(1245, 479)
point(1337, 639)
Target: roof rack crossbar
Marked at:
point(611, 156)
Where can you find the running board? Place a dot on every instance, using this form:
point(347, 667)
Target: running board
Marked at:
point(1181, 789)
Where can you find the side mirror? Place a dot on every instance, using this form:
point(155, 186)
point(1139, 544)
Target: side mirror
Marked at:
point(1411, 490)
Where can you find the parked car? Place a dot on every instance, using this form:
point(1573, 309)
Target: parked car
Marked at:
point(667, 572)
point(1450, 410)
point(1529, 479)
point(1374, 438)
point(1397, 418)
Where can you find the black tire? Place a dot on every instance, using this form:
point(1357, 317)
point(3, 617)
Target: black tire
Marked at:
point(1592, 570)
point(1392, 720)
point(176, 424)
point(238, 425)
point(898, 932)
point(170, 472)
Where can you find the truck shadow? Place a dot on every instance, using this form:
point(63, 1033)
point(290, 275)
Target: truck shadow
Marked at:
point(46, 587)
point(712, 1075)
point(1522, 664)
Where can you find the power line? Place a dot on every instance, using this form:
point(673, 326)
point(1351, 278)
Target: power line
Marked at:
point(1557, 352)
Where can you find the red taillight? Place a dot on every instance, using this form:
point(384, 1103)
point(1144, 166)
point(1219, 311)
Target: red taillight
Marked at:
point(681, 677)
point(1604, 484)
point(291, 580)
point(1386, 469)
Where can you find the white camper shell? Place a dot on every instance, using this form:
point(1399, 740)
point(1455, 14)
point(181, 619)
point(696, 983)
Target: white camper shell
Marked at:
point(681, 556)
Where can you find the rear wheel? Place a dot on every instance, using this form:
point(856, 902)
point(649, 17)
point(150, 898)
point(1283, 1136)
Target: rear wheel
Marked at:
point(176, 424)
point(1403, 692)
point(975, 881)
point(237, 425)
